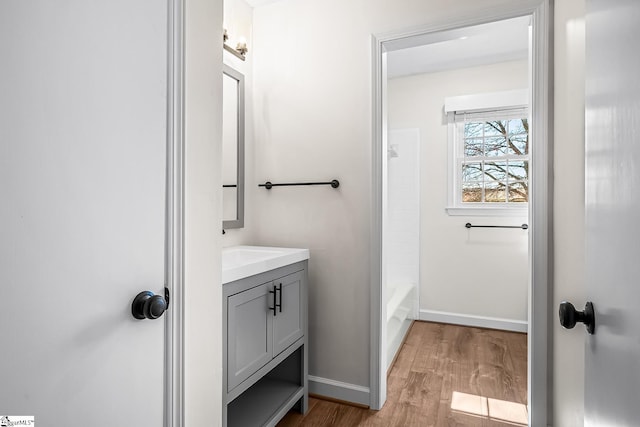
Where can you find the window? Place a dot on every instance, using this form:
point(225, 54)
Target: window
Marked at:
point(494, 160)
point(489, 159)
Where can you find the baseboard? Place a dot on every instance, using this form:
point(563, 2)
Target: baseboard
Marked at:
point(342, 402)
point(471, 320)
point(339, 391)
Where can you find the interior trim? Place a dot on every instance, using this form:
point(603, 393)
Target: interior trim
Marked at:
point(338, 390)
point(174, 244)
point(476, 321)
point(518, 98)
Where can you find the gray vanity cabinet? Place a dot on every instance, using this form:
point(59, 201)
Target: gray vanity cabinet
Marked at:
point(288, 322)
point(265, 354)
point(250, 336)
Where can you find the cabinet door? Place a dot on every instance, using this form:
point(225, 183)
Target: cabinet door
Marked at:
point(249, 333)
point(288, 324)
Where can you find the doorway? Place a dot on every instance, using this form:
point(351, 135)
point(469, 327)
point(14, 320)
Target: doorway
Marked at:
point(457, 179)
point(539, 200)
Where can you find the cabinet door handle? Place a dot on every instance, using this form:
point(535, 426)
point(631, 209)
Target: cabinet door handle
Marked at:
point(275, 306)
point(279, 288)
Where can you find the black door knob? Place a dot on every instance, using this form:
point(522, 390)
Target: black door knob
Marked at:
point(569, 316)
point(146, 305)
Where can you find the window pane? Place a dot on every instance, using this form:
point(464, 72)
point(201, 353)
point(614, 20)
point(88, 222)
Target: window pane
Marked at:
point(495, 171)
point(495, 146)
point(472, 192)
point(495, 128)
point(518, 170)
point(473, 129)
point(518, 192)
point(472, 172)
point(520, 144)
point(495, 192)
point(518, 126)
point(473, 147)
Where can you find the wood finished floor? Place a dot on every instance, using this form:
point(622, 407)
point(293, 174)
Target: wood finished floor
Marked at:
point(445, 375)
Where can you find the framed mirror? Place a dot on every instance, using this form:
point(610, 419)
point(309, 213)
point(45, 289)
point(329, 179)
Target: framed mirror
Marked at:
point(232, 148)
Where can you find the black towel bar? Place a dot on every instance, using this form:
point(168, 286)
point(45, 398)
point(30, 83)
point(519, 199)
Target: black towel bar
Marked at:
point(523, 226)
point(268, 185)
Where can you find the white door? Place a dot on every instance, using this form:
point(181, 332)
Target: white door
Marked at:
point(612, 366)
point(82, 209)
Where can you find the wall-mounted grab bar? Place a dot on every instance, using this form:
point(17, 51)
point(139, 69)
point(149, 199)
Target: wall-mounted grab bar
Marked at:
point(268, 185)
point(523, 226)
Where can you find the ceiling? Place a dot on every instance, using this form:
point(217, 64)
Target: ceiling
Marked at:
point(500, 41)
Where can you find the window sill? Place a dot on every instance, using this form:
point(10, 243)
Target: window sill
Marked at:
point(488, 211)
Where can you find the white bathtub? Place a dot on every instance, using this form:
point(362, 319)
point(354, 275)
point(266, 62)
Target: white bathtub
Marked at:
point(401, 311)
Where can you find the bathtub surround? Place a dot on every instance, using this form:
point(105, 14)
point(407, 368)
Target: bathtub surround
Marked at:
point(402, 235)
point(495, 260)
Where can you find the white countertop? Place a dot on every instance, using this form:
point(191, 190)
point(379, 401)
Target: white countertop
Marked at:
point(239, 262)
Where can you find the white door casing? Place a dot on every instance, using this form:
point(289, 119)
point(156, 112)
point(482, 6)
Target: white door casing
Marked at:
point(612, 360)
point(83, 143)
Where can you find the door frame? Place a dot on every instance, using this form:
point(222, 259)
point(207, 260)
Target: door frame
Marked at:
point(174, 228)
point(540, 211)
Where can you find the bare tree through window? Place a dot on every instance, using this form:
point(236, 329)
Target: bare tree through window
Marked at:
point(495, 168)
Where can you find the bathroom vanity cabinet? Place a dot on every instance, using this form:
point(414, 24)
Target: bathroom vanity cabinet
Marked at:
point(265, 357)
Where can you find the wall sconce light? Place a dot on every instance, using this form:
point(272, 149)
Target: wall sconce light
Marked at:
point(241, 49)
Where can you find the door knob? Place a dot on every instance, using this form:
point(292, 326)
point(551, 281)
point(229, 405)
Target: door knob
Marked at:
point(147, 305)
point(569, 316)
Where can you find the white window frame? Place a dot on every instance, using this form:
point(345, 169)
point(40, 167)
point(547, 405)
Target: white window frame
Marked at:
point(494, 105)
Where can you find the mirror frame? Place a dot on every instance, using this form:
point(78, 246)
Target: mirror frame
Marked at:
point(238, 222)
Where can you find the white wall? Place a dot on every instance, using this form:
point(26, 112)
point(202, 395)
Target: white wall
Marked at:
point(312, 68)
point(462, 272)
point(202, 358)
point(568, 346)
point(238, 20)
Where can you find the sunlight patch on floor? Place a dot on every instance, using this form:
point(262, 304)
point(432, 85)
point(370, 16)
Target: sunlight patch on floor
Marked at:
point(492, 409)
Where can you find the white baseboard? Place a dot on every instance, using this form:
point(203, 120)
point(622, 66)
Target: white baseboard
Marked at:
point(471, 320)
point(339, 390)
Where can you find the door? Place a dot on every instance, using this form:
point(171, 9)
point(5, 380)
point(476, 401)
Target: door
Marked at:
point(250, 332)
point(288, 322)
point(612, 365)
point(83, 94)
